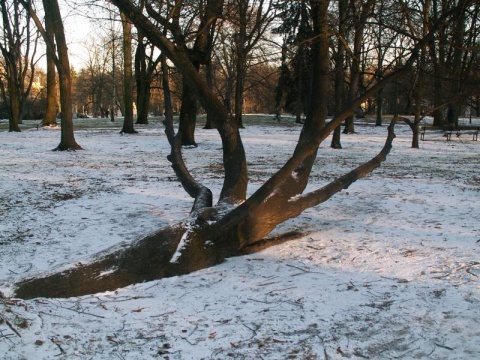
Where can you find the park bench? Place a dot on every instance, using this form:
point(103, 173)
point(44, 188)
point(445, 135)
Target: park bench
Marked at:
point(448, 130)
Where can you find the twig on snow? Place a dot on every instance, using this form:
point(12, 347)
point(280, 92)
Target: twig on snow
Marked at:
point(444, 346)
point(252, 330)
point(56, 342)
point(86, 313)
point(163, 314)
point(277, 290)
point(299, 268)
point(5, 336)
point(10, 326)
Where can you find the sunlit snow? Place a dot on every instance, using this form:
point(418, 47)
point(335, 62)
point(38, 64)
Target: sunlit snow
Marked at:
point(386, 269)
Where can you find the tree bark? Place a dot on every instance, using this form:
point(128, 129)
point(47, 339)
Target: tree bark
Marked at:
point(50, 118)
point(199, 55)
point(127, 76)
point(67, 138)
point(15, 103)
point(210, 76)
point(188, 116)
point(16, 49)
point(143, 82)
point(355, 75)
point(340, 71)
point(145, 70)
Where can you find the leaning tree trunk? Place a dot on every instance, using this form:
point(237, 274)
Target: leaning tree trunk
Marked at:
point(197, 243)
point(212, 233)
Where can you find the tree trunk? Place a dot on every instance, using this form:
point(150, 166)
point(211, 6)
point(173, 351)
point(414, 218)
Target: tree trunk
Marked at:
point(241, 63)
point(378, 121)
point(355, 75)
point(340, 71)
point(127, 76)
point(16, 42)
point(14, 119)
point(50, 118)
point(143, 102)
point(188, 116)
point(210, 123)
point(438, 58)
point(15, 103)
point(143, 82)
point(415, 131)
point(67, 138)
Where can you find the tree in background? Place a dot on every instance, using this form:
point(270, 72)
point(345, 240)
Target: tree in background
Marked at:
point(146, 68)
point(127, 76)
point(94, 84)
point(200, 40)
point(359, 12)
point(62, 62)
point(296, 29)
point(50, 117)
point(18, 46)
point(251, 20)
point(452, 53)
point(339, 58)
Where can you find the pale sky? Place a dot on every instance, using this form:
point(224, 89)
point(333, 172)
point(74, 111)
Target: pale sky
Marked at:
point(79, 28)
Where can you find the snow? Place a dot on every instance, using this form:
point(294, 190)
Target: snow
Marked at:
point(181, 245)
point(388, 268)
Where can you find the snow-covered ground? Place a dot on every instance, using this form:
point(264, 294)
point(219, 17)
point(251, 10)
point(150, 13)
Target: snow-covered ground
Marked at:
point(386, 269)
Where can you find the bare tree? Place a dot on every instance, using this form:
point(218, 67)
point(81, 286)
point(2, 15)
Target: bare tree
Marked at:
point(215, 231)
point(360, 17)
point(127, 76)
point(146, 63)
point(18, 45)
point(62, 62)
point(93, 90)
point(50, 118)
point(252, 20)
point(339, 58)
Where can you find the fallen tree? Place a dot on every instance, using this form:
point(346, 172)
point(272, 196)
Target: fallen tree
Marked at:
point(213, 232)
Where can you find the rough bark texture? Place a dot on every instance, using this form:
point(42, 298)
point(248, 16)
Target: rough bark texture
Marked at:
point(16, 49)
point(340, 71)
point(67, 138)
point(50, 118)
point(188, 116)
point(127, 76)
point(15, 106)
point(145, 67)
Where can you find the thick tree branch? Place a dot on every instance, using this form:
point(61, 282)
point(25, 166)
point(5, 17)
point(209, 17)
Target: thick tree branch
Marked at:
point(201, 194)
point(234, 160)
point(319, 196)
